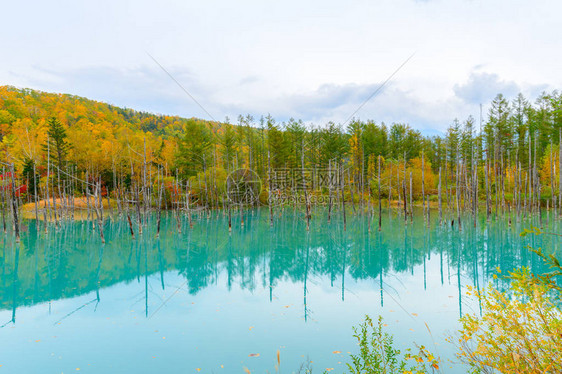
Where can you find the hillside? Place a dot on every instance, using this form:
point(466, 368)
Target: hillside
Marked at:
point(100, 134)
point(75, 111)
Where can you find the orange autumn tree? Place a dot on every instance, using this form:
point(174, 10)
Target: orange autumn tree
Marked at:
point(415, 167)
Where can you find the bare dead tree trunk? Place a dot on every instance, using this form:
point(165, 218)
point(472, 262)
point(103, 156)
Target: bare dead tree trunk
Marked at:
point(160, 190)
point(229, 219)
point(35, 195)
point(398, 187)
point(342, 181)
point(330, 186)
point(269, 195)
point(552, 177)
point(3, 193)
point(487, 188)
point(305, 187)
point(351, 191)
point(390, 190)
point(423, 185)
point(177, 198)
point(440, 200)
point(519, 186)
point(187, 201)
point(15, 207)
point(559, 173)
point(405, 200)
point(380, 201)
point(96, 210)
point(411, 201)
point(457, 193)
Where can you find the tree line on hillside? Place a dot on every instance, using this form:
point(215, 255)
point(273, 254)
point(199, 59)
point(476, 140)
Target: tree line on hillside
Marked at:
point(64, 145)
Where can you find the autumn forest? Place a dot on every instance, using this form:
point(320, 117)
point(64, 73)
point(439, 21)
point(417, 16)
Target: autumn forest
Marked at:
point(512, 152)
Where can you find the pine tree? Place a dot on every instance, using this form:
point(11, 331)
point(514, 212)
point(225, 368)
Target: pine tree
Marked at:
point(56, 144)
point(194, 148)
point(28, 173)
point(334, 144)
point(228, 144)
point(518, 119)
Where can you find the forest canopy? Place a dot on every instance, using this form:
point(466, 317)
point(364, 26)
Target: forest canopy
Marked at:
point(104, 140)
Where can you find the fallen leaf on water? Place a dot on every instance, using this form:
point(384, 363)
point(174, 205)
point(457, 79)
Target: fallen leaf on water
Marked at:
point(163, 337)
point(391, 311)
point(37, 341)
point(384, 324)
point(329, 369)
point(247, 371)
point(222, 366)
point(411, 329)
point(336, 352)
point(415, 314)
point(198, 369)
point(254, 355)
point(286, 306)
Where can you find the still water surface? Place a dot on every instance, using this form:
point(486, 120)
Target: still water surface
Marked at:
point(207, 301)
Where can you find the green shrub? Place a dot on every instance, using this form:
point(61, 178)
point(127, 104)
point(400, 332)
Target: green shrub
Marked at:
point(377, 354)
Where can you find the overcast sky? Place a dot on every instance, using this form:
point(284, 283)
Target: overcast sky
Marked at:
point(312, 60)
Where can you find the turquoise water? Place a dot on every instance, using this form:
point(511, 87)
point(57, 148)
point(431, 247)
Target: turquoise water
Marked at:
point(204, 299)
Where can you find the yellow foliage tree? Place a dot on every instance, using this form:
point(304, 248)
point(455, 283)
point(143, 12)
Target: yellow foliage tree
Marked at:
point(519, 331)
point(415, 167)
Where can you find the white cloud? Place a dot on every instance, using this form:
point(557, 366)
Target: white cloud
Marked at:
point(482, 87)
